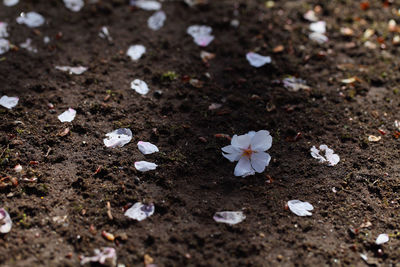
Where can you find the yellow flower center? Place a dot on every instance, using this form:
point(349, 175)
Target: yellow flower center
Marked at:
point(247, 152)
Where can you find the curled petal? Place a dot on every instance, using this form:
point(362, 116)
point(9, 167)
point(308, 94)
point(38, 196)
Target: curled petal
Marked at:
point(259, 161)
point(232, 157)
point(261, 141)
point(241, 141)
point(243, 168)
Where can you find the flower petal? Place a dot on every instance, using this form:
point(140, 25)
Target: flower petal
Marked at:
point(140, 211)
point(241, 141)
point(300, 208)
point(119, 137)
point(233, 153)
point(147, 148)
point(261, 141)
point(144, 166)
point(259, 161)
point(67, 116)
point(243, 168)
point(229, 217)
point(232, 157)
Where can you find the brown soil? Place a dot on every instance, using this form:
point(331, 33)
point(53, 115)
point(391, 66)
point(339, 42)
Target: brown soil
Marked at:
point(193, 180)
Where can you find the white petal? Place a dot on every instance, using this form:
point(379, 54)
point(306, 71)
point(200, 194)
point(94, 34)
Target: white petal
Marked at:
point(203, 40)
point(74, 5)
point(67, 116)
point(3, 30)
point(28, 45)
point(119, 137)
point(201, 34)
point(310, 16)
point(72, 70)
point(229, 217)
point(261, 141)
point(105, 33)
point(318, 37)
point(144, 166)
point(140, 211)
point(136, 51)
point(315, 154)
point(10, 2)
point(295, 84)
point(146, 4)
point(257, 60)
point(260, 160)
point(300, 208)
point(230, 149)
point(233, 156)
point(319, 27)
point(381, 239)
point(140, 86)
point(107, 254)
point(5, 221)
point(31, 19)
point(4, 46)
point(8, 102)
point(241, 141)
point(243, 167)
point(147, 148)
point(330, 157)
point(156, 21)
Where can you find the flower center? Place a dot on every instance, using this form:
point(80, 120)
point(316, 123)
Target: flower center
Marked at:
point(247, 152)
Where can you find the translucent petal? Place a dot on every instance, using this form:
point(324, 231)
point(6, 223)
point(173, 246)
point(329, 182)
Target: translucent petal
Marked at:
point(229, 217)
point(230, 149)
point(140, 211)
point(72, 70)
point(233, 156)
point(144, 166)
point(261, 141)
point(31, 19)
point(74, 5)
point(147, 148)
point(119, 137)
point(146, 4)
point(259, 160)
point(5, 221)
point(319, 26)
point(136, 51)
point(243, 168)
point(156, 21)
point(67, 116)
point(10, 2)
point(257, 60)
point(241, 141)
point(9, 102)
point(300, 208)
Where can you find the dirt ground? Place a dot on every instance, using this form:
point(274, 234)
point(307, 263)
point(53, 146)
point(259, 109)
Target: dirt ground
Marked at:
point(60, 216)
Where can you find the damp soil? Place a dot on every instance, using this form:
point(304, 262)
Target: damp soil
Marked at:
point(59, 206)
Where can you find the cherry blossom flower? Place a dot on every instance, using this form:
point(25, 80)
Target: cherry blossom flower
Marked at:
point(249, 149)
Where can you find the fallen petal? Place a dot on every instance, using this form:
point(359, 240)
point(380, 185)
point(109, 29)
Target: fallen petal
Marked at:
point(257, 60)
point(119, 137)
point(330, 157)
point(300, 208)
point(4, 46)
point(295, 84)
point(67, 116)
point(74, 5)
point(319, 26)
point(31, 19)
point(140, 211)
point(106, 255)
point(3, 30)
point(318, 37)
point(140, 87)
point(147, 148)
point(28, 46)
point(201, 34)
point(144, 166)
point(310, 16)
point(156, 21)
point(381, 239)
point(373, 138)
point(146, 4)
point(5, 221)
point(10, 2)
point(72, 70)
point(105, 34)
point(8, 102)
point(136, 51)
point(229, 217)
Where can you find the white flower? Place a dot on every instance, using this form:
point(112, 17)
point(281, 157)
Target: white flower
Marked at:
point(147, 148)
point(249, 149)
